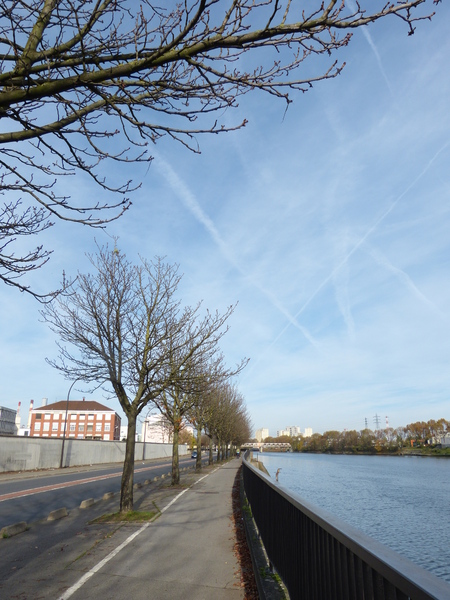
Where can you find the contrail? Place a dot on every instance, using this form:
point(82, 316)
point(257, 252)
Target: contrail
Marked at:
point(361, 241)
point(190, 202)
point(407, 281)
point(371, 43)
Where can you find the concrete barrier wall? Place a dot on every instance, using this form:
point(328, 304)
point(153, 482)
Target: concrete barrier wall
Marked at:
point(29, 453)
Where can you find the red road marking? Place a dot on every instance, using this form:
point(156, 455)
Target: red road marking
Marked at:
point(57, 486)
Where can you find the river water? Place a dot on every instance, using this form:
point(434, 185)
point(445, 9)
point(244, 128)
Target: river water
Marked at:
point(403, 502)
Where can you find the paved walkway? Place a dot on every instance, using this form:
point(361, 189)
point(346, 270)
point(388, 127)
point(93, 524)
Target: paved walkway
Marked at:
point(186, 553)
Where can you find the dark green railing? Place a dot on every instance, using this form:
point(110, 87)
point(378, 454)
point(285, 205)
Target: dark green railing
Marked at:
point(319, 557)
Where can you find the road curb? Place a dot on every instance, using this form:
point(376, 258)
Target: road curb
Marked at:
point(11, 530)
point(87, 503)
point(59, 513)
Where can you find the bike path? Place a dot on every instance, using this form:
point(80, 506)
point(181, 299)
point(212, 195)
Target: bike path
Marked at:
point(188, 551)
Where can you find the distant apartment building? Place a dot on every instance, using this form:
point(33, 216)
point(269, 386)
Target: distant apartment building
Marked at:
point(157, 429)
point(292, 431)
point(7, 421)
point(308, 432)
point(261, 434)
point(86, 419)
point(282, 432)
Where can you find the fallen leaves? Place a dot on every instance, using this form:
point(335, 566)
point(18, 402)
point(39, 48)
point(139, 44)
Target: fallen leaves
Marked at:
point(241, 549)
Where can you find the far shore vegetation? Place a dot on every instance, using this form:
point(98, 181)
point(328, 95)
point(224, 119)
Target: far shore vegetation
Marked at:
point(420, 438)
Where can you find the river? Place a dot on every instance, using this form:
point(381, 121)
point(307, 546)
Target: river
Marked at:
point(403, 502)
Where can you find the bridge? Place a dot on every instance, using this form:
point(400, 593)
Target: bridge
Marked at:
point(267, 446)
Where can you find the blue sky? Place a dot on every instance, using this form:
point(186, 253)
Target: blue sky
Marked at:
point(328, 224)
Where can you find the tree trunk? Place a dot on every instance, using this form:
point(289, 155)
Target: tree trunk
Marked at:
point(211, 459)
point(219, 449)
point(175, 458)
point(198, 462)
point(126, 487)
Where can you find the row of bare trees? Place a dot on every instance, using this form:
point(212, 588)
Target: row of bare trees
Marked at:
point(123, 329)
point(90, 83)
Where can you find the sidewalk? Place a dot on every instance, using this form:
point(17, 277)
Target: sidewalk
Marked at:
point(186, 553)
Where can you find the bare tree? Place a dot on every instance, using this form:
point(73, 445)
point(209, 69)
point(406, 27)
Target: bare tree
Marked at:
point(74, 74)
point(116, 324)
point(197, 416)
point(227, 419)
point(195, 362)
point(219, 408)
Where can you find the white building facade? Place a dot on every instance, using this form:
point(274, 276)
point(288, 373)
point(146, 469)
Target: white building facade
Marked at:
point(157, 429)
point(261, 434)
point(292, 431)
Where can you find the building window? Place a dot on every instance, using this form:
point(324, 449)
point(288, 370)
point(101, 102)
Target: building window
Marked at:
point(81, 427)
point(47, 416)
point(106, 436)
point(108, 417)
point(89, 427)
point(73, 416)
point(98, 427)
point(57, 416)
point(46, 426)
point(80, 436)
point(91, 417)
point(37, 426)
point(55, 426)
point(38, 416)
point(107, 427)
point(72, 427)
point(82, 417)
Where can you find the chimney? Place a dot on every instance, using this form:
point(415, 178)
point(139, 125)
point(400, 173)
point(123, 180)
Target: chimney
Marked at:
point(18, 418)
point(29, 414)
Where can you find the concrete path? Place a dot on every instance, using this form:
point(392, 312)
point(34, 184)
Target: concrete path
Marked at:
point(186, 553)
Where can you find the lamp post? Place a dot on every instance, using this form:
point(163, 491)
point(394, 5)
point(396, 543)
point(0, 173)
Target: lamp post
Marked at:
point(65, 422)
point(145, 435)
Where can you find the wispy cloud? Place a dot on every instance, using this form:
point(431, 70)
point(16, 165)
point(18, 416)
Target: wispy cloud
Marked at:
point(191, 203)
point(361, 241)
point(406, 281)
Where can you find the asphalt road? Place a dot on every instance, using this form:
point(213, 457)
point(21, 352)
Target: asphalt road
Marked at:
point(31, 497)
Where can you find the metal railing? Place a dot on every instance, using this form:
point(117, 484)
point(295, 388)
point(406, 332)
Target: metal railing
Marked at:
point(319, 557)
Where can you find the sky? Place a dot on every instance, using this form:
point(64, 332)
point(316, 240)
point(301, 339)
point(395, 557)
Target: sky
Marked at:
point(328, 224)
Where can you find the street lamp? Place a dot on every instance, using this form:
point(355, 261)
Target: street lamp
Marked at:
point(65, 422)
point(145, 435)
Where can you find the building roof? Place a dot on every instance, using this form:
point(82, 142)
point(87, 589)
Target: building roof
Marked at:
point(84, 405)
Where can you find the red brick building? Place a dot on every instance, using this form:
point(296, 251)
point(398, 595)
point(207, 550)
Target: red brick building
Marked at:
point(87, 420)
